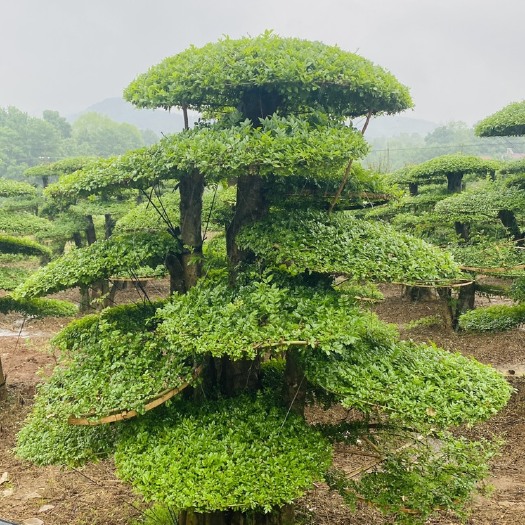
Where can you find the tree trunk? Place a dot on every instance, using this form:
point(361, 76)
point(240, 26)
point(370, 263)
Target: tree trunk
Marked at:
point(455, 182)
point(251, 206)
point(175, 269)
point(282, 516)
point(462, 229)
point(465, 302)
point(109, 225)
point(3, 385)
point(77, 239)
point(418, 293)
point(446, 295)
point(508, 219)
point(100, 294)
point(91, 235)
point(237, 377)
point(294, 388)
point(85, 300)
point(191, 189)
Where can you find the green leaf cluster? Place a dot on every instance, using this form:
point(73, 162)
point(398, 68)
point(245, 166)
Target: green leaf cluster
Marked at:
point(59, 168)
point(342, 244)
point(112, 364)
point(516, 166)
point(47, 438)
point(280, 146)
point(243, 454)
point(14, 188)
point(412, 384)
point(151, 216)
point(517, 290)
point(489, 254)
point(482, 202)
point(135, 169)
point(243, 322)
point(23, 223)
point(118, 255)
point(12, 276)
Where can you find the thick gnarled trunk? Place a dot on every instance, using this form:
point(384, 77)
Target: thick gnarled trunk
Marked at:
point(508, 219)
point(455, 182)
point(251, 206)
point(191, 189)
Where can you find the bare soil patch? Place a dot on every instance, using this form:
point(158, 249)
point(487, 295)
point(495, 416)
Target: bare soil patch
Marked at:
point(93, 495)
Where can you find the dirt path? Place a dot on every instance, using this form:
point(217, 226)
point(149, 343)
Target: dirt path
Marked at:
point(93, 495)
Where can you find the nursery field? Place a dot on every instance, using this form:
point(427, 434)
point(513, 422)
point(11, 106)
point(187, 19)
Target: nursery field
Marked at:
point(93, 495)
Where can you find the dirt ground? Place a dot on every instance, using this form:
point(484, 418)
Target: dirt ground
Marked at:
point(93, 495)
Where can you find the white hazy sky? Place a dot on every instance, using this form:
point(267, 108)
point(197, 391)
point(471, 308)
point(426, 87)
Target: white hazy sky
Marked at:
point(462, 59)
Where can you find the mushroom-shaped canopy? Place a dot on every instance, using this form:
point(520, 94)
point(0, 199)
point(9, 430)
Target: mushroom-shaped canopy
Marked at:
point(284, 74)
point(14, 188)
point(60, 167)
point(507, 121)
point(402, 176)
point(453, 167)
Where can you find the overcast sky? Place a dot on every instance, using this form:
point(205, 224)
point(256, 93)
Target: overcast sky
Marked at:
point(462, 59)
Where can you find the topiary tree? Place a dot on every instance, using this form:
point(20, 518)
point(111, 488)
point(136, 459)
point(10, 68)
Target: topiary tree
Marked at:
point(254, 336)
point(453, 168)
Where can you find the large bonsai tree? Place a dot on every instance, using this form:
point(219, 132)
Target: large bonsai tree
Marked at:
point(257, 329)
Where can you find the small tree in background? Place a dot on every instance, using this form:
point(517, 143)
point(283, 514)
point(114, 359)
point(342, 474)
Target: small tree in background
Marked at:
point(257, 332)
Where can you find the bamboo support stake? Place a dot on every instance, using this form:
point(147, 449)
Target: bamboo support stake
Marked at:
point(128, 414)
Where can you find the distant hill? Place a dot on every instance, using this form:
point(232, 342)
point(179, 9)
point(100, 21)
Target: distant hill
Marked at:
point(392, 125)
point(157, 120)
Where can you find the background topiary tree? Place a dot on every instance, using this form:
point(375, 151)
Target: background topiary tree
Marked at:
point(452, 168)
point(506, 122)
point(258, 329)
point(505, 260)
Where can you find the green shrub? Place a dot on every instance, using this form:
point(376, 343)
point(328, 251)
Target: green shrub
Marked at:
point(424, 477)
point(38, 307)
point(493, 318)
